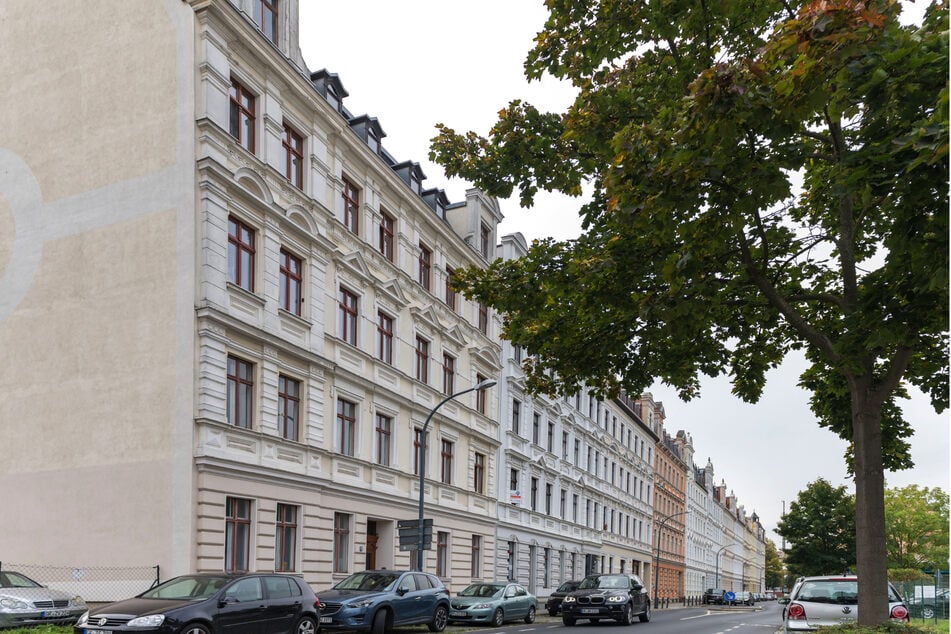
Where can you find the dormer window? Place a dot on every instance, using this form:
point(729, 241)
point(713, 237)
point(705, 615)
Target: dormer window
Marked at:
point(415, 182)
point(330, 88)
point(484, 235)
point(373, 140)
point(265, 16)
point(332, 98)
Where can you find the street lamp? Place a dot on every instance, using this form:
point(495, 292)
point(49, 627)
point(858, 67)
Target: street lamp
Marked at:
point(484, 385)
point(663, 523)
point(716, 579)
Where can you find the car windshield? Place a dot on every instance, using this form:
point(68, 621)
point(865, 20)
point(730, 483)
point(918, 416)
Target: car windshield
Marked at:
point(604, 581)
point(16, 580)
point(368, 581)
point(188, 588)
point(482, 590)
point(568, 586)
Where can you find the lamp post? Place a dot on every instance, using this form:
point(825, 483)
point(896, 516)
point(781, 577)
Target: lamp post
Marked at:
point(716, 579)
point(484, 385)
point(663, 523)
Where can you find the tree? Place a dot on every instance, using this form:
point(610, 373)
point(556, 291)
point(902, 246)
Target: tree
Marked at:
point(916, 522)
point(820, 529)
point(767, 177)
point(774, 566)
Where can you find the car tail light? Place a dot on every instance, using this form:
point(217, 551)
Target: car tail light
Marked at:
point(796, 612)
point(899, 613)
point(317, 603)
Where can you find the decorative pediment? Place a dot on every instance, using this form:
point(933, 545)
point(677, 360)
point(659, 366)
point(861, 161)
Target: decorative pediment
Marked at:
point(486, 356)
point(426, 318)
point(251, 182)
point(300, 217)
point(352, 265)
point(392, 292)
point(456, 336)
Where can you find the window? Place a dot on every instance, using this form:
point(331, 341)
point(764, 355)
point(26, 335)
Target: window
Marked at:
point(425, 266)
point(450, 294)
point(341, 542)
point(422, 360)
point(351, 206)
point(574, 508)
point(446, 462)
point(384, 337)
point(237, 534)
point(517, 353)
point(483, 319)
point(551, 436)
point(384, 435)
point(346, 426)
point(242, 115)
point(513, 479)
point(475, 557)
point(387, 227)
point(442, 554)
point(285, 545)
point(516, 413)
point(293, 146)
point(265, 16)
point(240, 254)
point(564, 445)
point(484, 236)
point(240, 390)
point(480, 395)
point(536, 426)
point(417, 445)
point(290, 296)
point(348, 316)
point(563, 504)
point(534, 494)
point(448, 374)
point(288, 407)
point(548, 498)
point(478, 473)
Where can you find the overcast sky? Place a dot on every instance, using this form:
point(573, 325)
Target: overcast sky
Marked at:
point(415, 64)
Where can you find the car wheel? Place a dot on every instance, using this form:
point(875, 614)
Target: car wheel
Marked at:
point(194, 628)
point(306, 625)
point(498, 618)
point(628, 616)
point(530, 617)
point(927, 612)
point(440, 618)
point(567, 620)
point(645, 616)
point(379, 622)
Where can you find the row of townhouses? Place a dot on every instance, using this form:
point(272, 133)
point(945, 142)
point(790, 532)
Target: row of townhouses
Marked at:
point(228, 333)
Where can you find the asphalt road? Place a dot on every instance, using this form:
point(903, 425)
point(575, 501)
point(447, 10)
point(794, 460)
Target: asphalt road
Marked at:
point(764, 618)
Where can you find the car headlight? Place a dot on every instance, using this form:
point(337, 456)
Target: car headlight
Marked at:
point(83, 619)
point(361, 604)
point(78, 601)
point(481, 606)
point(569, 600)
point(153, 620)
point(13, 604)
point(617, 598)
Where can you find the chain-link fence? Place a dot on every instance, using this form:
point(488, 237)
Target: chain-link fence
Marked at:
point(927, 598)
point(94, 584)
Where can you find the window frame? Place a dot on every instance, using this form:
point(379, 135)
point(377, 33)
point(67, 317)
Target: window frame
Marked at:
point(241, 253)
point(387, 234)
point(483, 320)
point(234, 522)
point(242, 115)
point(349, 303)
point(478, 472)
point(446, 459)
point(480, 395)
point(291, 292)
point(285, 530)
point(422, 359)
point(448, 373)
point(425, 259)
point(292, 143)
point(341, 551)
point(284, 398)
point(384, 439)
point(266, 15)
point(240, 388)
point(350, 194)
point(384, 337)
point(346, 427)
point(450, 294)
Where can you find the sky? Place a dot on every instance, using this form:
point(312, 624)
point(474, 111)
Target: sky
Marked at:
point(415, 64)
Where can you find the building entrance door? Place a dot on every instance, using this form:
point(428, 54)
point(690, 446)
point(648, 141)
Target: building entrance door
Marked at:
point(372, 539)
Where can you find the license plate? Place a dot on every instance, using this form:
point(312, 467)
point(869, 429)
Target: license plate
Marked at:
point(590, 610)
point(323, 619)
point(97, 631)
point(54, 614)
point(457, 613)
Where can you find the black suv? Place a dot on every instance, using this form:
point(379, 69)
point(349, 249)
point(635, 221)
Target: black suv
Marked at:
point(617, 597)
point(379, 600)
point(553, 604)
point(713, 596)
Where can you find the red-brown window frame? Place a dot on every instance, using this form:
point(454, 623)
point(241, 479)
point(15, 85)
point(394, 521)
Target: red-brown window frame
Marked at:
point(242, 245)
point(266, 14)
point(484, 234)
point(286, 398)
point(478, 473)
point(349, 311)
point(293, 144)
point(445, 463)
point(448, 373)
point(242, 386)
point(232, 523)
point(341, 554)
point(242, 105)
point(384, 435)
point(417, 443)
point(351, 206)
point(285, 555)
point(480, 395)
point(292, 282)
point(346, 426)
point(384, 330)
point(422, 360)
point(450, 294)
point(483, 318)
point(425, 266)
point(387, 230)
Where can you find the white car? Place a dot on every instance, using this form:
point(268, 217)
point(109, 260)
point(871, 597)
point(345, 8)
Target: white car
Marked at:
point(831, 600)
point(24, 602)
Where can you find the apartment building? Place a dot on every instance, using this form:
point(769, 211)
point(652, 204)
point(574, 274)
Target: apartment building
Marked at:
point(576, 480)
point(225, 309)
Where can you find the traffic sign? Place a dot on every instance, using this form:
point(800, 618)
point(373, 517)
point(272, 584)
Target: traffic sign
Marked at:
point(729, 596)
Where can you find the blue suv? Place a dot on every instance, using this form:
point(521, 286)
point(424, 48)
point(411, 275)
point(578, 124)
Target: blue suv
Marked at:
point(379, 600)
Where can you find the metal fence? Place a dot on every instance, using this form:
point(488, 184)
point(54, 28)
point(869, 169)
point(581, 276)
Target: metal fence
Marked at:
point(94, 584)
point(927, 598)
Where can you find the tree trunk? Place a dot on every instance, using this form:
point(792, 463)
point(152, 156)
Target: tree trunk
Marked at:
point(871, 558)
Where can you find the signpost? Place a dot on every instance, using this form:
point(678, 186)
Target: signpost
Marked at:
point(409, 534)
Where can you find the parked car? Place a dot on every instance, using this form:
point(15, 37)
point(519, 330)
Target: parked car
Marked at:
point(211, 604)
point(617, 597)
point(553, 604)
point(831, 600)
point(713, 596)
point(25, 602)
point(742, 597)
point(493, 603)
point(929, 607)
point(378, 600)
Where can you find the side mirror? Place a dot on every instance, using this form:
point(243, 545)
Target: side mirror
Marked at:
point(783, 601)
point(401, 590)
